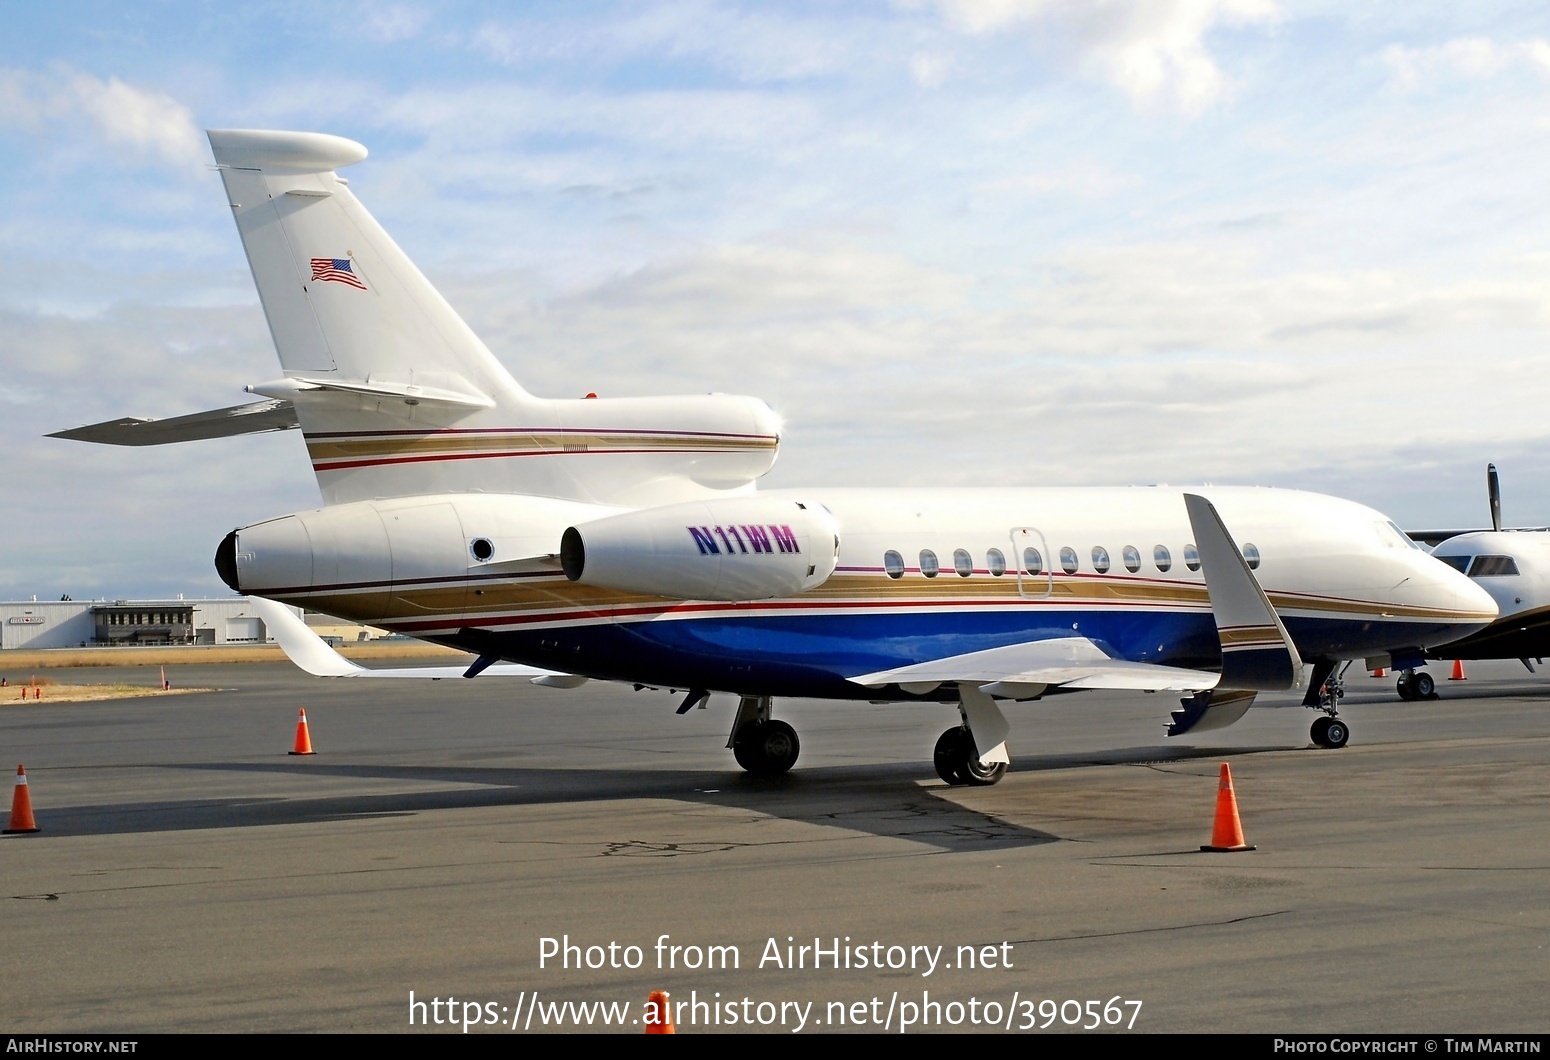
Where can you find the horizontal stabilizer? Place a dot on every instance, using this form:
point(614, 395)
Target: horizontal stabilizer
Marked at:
point(1257, 652)
point(308, 651)
point(1068, 662)
point(255, 418)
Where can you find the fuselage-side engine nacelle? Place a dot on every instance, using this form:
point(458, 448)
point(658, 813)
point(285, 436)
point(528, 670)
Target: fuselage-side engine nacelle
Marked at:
point(747, 548)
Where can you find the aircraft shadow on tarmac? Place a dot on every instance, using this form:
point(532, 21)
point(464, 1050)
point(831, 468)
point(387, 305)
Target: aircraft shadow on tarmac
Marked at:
point(888, 801)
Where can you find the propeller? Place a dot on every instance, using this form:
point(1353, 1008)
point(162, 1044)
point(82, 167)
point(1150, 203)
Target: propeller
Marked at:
point(1493, 488)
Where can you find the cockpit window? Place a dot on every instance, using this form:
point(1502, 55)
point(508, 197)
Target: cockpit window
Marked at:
point(1493, 567)
point(1458, 563)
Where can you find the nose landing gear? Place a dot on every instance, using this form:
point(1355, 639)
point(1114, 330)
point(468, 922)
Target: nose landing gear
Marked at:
point(1325, 693)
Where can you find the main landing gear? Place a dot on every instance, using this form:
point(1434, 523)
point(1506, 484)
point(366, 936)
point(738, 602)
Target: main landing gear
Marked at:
point(763, 746)
point(1415, 684)
point(1325, 692)
point(957, 760)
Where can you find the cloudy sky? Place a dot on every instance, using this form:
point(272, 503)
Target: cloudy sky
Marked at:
point(952, 241)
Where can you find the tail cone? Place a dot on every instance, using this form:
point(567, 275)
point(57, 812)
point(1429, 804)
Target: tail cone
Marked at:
point(1227, 831)
point(21, 806)
point(659, 1013)
point(303, 737)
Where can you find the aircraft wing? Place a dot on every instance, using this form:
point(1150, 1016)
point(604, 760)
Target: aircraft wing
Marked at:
point(1257, 652)
point(1023, 671)
point(309, 652)
point(254, 418)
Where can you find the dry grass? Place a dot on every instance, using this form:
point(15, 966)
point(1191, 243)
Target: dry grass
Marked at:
point(57, 693)
point(22, 661)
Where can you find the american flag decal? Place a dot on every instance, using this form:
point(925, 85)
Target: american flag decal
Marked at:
point(337, 270)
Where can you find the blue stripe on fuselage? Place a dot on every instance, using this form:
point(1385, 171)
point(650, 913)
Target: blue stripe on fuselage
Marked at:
point(812, 655)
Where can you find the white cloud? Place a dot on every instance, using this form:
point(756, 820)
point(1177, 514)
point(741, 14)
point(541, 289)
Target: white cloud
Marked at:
point(141, 122)
point(754, 46)
point(1084, 178)
point(390, 23)
point(930, 69)
point(1152, 50)
point(1471, 57)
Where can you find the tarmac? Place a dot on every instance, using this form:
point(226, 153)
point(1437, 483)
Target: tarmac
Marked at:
point(192, 876)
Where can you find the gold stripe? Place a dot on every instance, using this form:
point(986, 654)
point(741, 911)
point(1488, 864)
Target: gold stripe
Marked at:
point(448, 445)
point(555, 593)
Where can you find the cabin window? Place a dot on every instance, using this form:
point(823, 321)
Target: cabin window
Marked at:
point(1068, 560)
point(1033, 563)
point(928, 563)
point(1162, 558)
point(996, 562)
point(893, 563)
point(1458, 563)
point(1100, 559)
point(963, 563)
point(1191, 557)
point(1132, 558)
point(1251, 555)
point(1493, 567)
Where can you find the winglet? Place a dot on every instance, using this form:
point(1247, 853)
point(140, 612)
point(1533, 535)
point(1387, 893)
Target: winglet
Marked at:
point(1257, 652)
point(302, 646)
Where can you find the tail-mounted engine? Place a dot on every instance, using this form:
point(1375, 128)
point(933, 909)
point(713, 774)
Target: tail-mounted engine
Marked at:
point(748, 548)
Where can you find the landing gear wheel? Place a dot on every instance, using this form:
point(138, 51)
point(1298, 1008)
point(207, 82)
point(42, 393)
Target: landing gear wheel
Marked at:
point(766, 748)
point(1335, 733)
point(1422, 686)
point(947, 756)
point(1320, 731)
point(1405, 688)
point(957, 760)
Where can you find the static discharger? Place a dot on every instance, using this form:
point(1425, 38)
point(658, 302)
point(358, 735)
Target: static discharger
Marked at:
point(21, 806)
point(303, 737)
point(1227, 830)
point(659, 1013)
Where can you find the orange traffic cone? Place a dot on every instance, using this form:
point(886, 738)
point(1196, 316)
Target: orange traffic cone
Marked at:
point(303, 737)
point(21, 806)
point(659, 1013)
point(1458, 671)
point(1227, 831)
point(1380, 672)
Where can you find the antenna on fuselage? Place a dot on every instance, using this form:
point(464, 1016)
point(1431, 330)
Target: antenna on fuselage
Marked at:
point(1493, 487)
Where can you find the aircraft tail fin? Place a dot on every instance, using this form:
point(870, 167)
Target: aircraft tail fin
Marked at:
point(357, 326)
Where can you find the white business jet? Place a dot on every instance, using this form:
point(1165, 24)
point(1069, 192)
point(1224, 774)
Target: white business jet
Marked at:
point(623, 539)
point(1513, 565)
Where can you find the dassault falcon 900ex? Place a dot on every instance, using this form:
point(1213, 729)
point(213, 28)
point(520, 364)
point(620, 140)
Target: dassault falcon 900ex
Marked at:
point(623, 538)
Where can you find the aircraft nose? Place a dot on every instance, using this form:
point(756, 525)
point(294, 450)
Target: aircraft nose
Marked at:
point(1459, 605)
